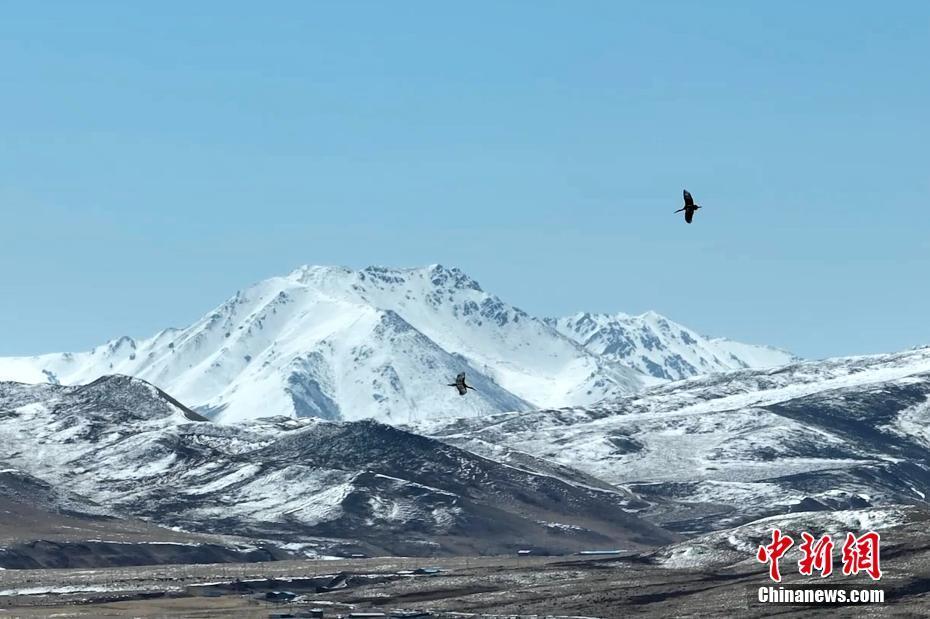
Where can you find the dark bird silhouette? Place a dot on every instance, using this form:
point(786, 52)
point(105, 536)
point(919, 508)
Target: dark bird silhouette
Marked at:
point(460, 384)
point(689, 206)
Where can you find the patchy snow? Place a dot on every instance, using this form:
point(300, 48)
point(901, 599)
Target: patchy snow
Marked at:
point(740, 543)
point(245, 472)
point(63, 589)
point(746, 440)
point(704, 428)
point(914, 422)
point(561, 526)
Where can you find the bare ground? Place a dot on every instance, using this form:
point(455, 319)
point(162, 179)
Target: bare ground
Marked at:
point(562, 586)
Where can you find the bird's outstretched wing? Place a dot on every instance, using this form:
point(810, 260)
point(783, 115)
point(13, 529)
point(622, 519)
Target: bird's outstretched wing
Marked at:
point(689, 214)
point(689, 201)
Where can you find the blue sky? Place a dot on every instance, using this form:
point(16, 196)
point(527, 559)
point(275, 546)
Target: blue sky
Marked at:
point(156, 157)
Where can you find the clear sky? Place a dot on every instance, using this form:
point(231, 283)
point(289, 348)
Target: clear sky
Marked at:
point(156, 157)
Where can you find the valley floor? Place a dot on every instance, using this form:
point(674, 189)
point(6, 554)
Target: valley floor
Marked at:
point(605, 587)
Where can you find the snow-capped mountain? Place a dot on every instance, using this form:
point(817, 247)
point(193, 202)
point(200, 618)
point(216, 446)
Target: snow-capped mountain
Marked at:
point(717, 451)
point(658, 347)
point(383, 343)
point(122, 443)
point(676, 460)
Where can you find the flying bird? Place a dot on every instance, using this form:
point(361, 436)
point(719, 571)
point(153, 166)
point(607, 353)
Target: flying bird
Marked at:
point(460, 384)
point(689, 206)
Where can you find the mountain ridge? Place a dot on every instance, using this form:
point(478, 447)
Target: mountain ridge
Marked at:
point(716, 451)
point(662, 348)
point(677, 460)
point(378, 342)
point(325, 485)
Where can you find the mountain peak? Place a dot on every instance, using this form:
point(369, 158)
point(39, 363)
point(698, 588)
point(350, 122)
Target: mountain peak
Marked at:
point(436, 274)
point(652, 315)
point(309, 273)
point(135, 396)
point(662, 348)
point(383, 342)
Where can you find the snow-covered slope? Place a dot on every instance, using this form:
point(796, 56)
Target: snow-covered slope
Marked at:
point(383, 343)
point(679, 459)
point(122, 443)
point(715, 451)
point(656, 346)
point(337, 343)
